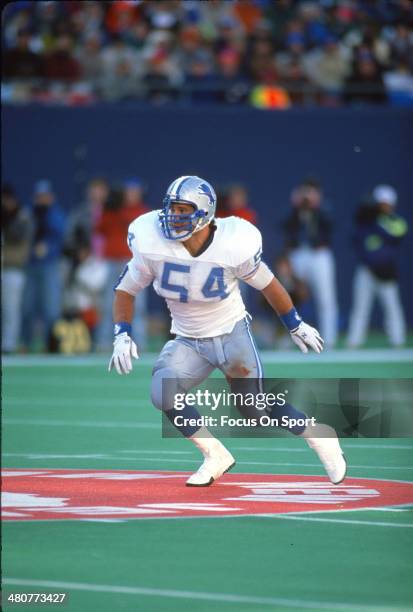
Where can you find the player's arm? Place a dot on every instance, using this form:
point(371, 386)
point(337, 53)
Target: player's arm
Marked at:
point(123, 307)
point(277, 297)
point(257, 274)
point(135, 277)
point(124, 348)
point(303, 335)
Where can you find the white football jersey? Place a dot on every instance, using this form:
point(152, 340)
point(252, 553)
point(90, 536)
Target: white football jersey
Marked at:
point(201, 292)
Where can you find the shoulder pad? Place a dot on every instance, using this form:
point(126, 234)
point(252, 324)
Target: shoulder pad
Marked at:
point(243, 240)
point(144, 235)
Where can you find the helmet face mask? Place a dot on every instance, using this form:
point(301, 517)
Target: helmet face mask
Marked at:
point(188, 190)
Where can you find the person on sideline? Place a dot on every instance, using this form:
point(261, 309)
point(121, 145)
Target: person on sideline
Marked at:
point(378, 234)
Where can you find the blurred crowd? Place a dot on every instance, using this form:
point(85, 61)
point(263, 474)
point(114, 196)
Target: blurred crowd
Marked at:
point(264, 53)
point(59, 269)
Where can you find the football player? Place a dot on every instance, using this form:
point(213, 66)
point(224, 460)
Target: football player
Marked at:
point(195, 262)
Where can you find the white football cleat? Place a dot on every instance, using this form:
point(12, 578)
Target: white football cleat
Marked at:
point(328, 450)
point(218, 460)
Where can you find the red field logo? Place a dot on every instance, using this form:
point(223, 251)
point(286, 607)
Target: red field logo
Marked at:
point(110, 495)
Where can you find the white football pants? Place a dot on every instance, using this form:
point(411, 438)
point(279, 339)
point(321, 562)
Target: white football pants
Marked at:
point(12, 285)
point(186, 362)
point(365, 288)
point(317, 268)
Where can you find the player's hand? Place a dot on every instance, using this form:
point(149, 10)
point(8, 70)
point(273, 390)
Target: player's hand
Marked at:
point(124, 349)
point(306, 336)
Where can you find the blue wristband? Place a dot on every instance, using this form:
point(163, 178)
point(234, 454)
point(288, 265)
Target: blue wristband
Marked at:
point(121, 327)
point(291, 319)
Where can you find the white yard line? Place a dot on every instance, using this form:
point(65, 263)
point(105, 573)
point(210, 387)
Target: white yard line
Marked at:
point(142, 425)
point(349, 521)
point(409, 509)
point(106, 457)
point(381, 355)
point(353, 444)
point(159, 452)
point(198, 595)
point(101, 456)
point(97, 423)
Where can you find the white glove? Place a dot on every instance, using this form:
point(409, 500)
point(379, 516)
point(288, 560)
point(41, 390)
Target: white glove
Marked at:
point(124, 349)
point(305, 336)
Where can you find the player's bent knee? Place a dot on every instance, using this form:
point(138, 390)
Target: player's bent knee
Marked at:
point(164, 387)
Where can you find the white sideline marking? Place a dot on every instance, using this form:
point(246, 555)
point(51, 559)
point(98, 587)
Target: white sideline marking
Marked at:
point(351, 445)
point(368, 467)
point(104, 457)
point(102, 520)
point(350, 521)
point(340, 356)
point(198, 595)
point(270, 450)
point(393, 509)
point(156, 452)
point(140, 425)
point(63, 423)
point(383, 355)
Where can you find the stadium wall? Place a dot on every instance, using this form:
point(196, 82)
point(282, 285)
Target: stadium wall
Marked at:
point(349, 150)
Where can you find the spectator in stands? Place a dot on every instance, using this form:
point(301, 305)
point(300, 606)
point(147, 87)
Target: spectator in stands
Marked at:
point(42, 296)
point(297, 85)
point(328, 66)
point(248, 13)
point(211, 15)
point(122, 208)
point(157, 81)
point(15, 239)
point(121, 16)
point(378, 234)
point(89, 57)
point(82, 222)
point(190, 42)
point(136, 36)
point(293, 54)
point(378, 36)
point(51, 19)
point(236, 204)
point(307, 231)
point(162, 71)
point(296, 287)
point(315, 27)
point(269, 335)
point(365, 83)
point(88, 19)
point(290, 65)
point(260, 63)
point(20, 62)
point(15, 18)
point(230, 33)
point(278, 15)
point(121, 68)
point(399, 85)
point(163, 15)
point(232, 85)
point(401, 45)
point(200, 78)
point(85, 278)
point(133, 192)
point(60, 64)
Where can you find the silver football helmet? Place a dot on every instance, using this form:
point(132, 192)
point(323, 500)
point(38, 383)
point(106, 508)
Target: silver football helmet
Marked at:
point(187, 190)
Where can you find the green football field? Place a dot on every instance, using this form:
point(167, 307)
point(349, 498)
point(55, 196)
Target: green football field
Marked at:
point(70, 414)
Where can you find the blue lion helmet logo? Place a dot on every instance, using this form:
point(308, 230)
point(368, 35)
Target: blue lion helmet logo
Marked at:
point(206, 190)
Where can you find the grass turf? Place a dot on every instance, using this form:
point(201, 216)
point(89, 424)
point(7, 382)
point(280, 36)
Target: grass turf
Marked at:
point(77, 416)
